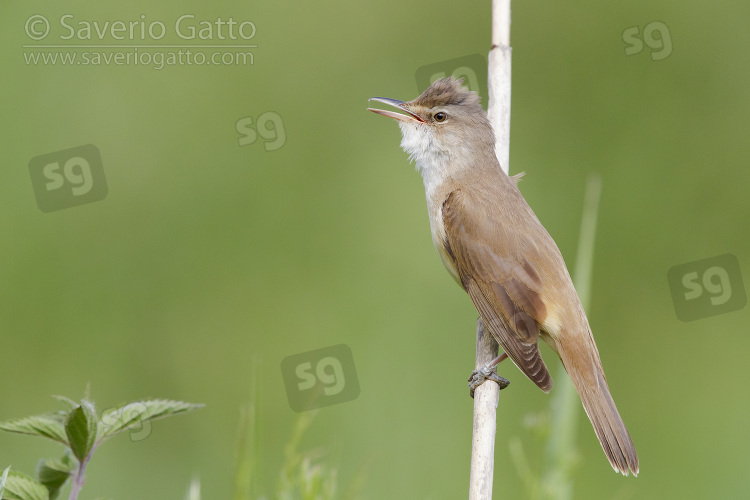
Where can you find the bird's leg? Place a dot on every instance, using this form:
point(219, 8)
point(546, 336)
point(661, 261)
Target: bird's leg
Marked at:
point(487, 372)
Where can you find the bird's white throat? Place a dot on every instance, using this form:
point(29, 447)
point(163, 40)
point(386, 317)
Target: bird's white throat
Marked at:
point(431, 158)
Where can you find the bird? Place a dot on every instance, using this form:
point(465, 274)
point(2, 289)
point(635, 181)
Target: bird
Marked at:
point(494, 246)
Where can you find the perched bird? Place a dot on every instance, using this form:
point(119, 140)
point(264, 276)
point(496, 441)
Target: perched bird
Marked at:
point(494, 246)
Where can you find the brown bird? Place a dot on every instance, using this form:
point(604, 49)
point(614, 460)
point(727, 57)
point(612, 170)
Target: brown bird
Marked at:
point(494, 246)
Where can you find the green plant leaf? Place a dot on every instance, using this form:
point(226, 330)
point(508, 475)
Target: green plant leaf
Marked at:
point(53, 474)
point(4, 478)
point(66, 401)
point(131, 416)
point(194, 491)
point(22, 487)
point(81, 429)
point(50, 425)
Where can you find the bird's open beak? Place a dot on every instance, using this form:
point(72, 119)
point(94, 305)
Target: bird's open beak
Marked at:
point(408, 118)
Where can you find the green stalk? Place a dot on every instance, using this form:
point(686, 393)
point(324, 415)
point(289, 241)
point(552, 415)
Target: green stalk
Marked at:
point(561, 454)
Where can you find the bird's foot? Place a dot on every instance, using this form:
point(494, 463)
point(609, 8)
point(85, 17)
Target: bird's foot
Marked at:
point(480, 376)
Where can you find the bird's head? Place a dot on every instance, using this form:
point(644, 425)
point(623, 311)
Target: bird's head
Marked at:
point(445, 128)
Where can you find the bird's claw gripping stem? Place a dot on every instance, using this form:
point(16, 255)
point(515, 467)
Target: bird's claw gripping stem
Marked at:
point(480, 376)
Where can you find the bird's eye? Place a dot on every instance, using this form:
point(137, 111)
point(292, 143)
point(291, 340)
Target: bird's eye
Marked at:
point(440, 116)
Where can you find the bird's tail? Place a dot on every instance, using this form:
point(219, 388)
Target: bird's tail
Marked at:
point(588, 379)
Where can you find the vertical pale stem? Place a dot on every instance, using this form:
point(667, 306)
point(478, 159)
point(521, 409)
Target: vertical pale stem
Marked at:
point(485, 409)
point(486, 395)
point(498, 77)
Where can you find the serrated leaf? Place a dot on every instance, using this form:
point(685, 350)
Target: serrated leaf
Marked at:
point(4, 478)
point(50, 425)
point(81, 429)
point(131, 416)
point(66, 401)
point(53, 474)
point(19, 486)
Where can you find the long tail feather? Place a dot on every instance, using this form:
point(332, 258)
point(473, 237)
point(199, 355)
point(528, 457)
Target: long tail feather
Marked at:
point(602, 411)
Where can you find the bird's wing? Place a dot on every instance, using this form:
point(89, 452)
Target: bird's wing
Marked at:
point(495, 268)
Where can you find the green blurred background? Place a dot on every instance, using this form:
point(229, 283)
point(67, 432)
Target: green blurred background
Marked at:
point(206, 255)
